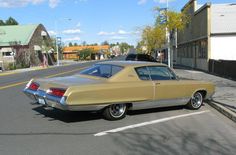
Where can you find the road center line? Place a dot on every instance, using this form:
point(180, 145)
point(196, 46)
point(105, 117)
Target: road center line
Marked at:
point(65, 72)
point(50, 76)
point(148, 123)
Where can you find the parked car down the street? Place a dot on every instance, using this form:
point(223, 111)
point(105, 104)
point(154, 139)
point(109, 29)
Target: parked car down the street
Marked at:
point(140, 57)
point(113, 87)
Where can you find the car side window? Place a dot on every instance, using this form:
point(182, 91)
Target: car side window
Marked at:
point(95, 71)
point(116, 69)
point(143, 73)
point(105, 71)
point(161, 73)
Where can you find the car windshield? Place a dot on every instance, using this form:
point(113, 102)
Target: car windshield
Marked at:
point(102, 70)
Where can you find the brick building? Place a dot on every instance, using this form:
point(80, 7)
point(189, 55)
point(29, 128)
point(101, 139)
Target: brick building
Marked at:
point(24, 45)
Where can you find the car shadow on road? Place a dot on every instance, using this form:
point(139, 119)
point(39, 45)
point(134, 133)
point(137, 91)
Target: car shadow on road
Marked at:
point(81, 116)
point(67, 116)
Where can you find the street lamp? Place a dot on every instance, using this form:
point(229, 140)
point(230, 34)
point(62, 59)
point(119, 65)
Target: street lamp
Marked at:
point(58, 39)
point(168, 35)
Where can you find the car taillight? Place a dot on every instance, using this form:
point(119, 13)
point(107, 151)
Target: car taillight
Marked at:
point(56, 92)
point(33, 86)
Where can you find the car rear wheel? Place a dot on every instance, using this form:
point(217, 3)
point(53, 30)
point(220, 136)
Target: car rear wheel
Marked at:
point(115, 112)
point(196, 101)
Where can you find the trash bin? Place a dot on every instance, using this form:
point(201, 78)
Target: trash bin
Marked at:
point(1, 66)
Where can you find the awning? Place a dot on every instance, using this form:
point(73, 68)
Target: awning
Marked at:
point(6, 50)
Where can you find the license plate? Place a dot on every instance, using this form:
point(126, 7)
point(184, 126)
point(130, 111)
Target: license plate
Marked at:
point(41, 101)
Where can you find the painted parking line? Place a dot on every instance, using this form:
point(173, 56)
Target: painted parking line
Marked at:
point(148, 123)
point(50, 76)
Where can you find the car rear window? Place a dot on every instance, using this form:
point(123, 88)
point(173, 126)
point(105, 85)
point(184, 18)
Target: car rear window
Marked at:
point(102, 70)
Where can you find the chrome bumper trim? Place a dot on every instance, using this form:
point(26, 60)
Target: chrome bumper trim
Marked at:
point(59, 103)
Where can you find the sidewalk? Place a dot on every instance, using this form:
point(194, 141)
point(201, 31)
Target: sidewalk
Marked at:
point(62, 63)
point(225, 95)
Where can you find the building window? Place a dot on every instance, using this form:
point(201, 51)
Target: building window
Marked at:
point(179, 51)
point(202, 52)
point(191, 50)
point(7, 53)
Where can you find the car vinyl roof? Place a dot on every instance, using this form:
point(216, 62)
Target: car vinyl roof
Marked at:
point(132, 63)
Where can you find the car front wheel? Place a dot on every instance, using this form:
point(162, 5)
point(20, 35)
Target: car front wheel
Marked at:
point(115, 112)
point(196, 101)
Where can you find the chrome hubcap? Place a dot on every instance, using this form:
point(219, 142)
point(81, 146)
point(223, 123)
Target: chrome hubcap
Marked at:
point(196, 100)
point(117, 110)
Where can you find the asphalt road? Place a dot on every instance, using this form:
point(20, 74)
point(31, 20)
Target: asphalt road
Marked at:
point(26, 128)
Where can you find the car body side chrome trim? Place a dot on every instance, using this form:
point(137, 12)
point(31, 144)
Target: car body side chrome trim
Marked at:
point(159, 103)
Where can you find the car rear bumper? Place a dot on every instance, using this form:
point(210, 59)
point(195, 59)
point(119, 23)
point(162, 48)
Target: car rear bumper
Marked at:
point(42, 98)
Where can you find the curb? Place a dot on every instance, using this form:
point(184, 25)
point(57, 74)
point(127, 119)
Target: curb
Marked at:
point(225, 111)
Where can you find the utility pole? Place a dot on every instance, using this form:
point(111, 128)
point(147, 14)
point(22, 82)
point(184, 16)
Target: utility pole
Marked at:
point(58, 41)
point(168, 36)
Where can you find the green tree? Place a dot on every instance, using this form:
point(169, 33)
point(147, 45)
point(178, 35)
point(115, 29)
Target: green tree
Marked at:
point(75, 44)
point(172, 20)
point(105, 43)
point(112, 45)
point(139, 47)
point(70, 44)
point(2, 23)
point(85, 54)
point(154, 37)
point(84, 43)
point(11, 21)
point(124, 47)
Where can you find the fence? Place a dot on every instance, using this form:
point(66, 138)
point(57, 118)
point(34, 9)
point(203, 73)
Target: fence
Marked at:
point(225, 68)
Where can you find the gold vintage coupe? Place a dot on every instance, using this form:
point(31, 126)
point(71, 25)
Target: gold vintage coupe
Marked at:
point(114, 87)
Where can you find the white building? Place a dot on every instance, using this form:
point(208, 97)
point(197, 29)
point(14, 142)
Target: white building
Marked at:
point(210, 34)
point(223, 31)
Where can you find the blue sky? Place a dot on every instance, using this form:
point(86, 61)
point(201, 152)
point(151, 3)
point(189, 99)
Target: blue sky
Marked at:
point(93, 21)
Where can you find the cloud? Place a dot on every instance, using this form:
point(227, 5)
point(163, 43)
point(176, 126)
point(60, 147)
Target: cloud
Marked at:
point(78, 24)
point(140, 2)
point(119, 32)
point(23, 3)
point(103, 33)
point(122, 32)
point(77, 1)
point(53, 3)
point(117, 38)
point(72, 39)
point(161, 1)
point(72, 31)
point(53, 33)
point(18, 3)
point(136, 32)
